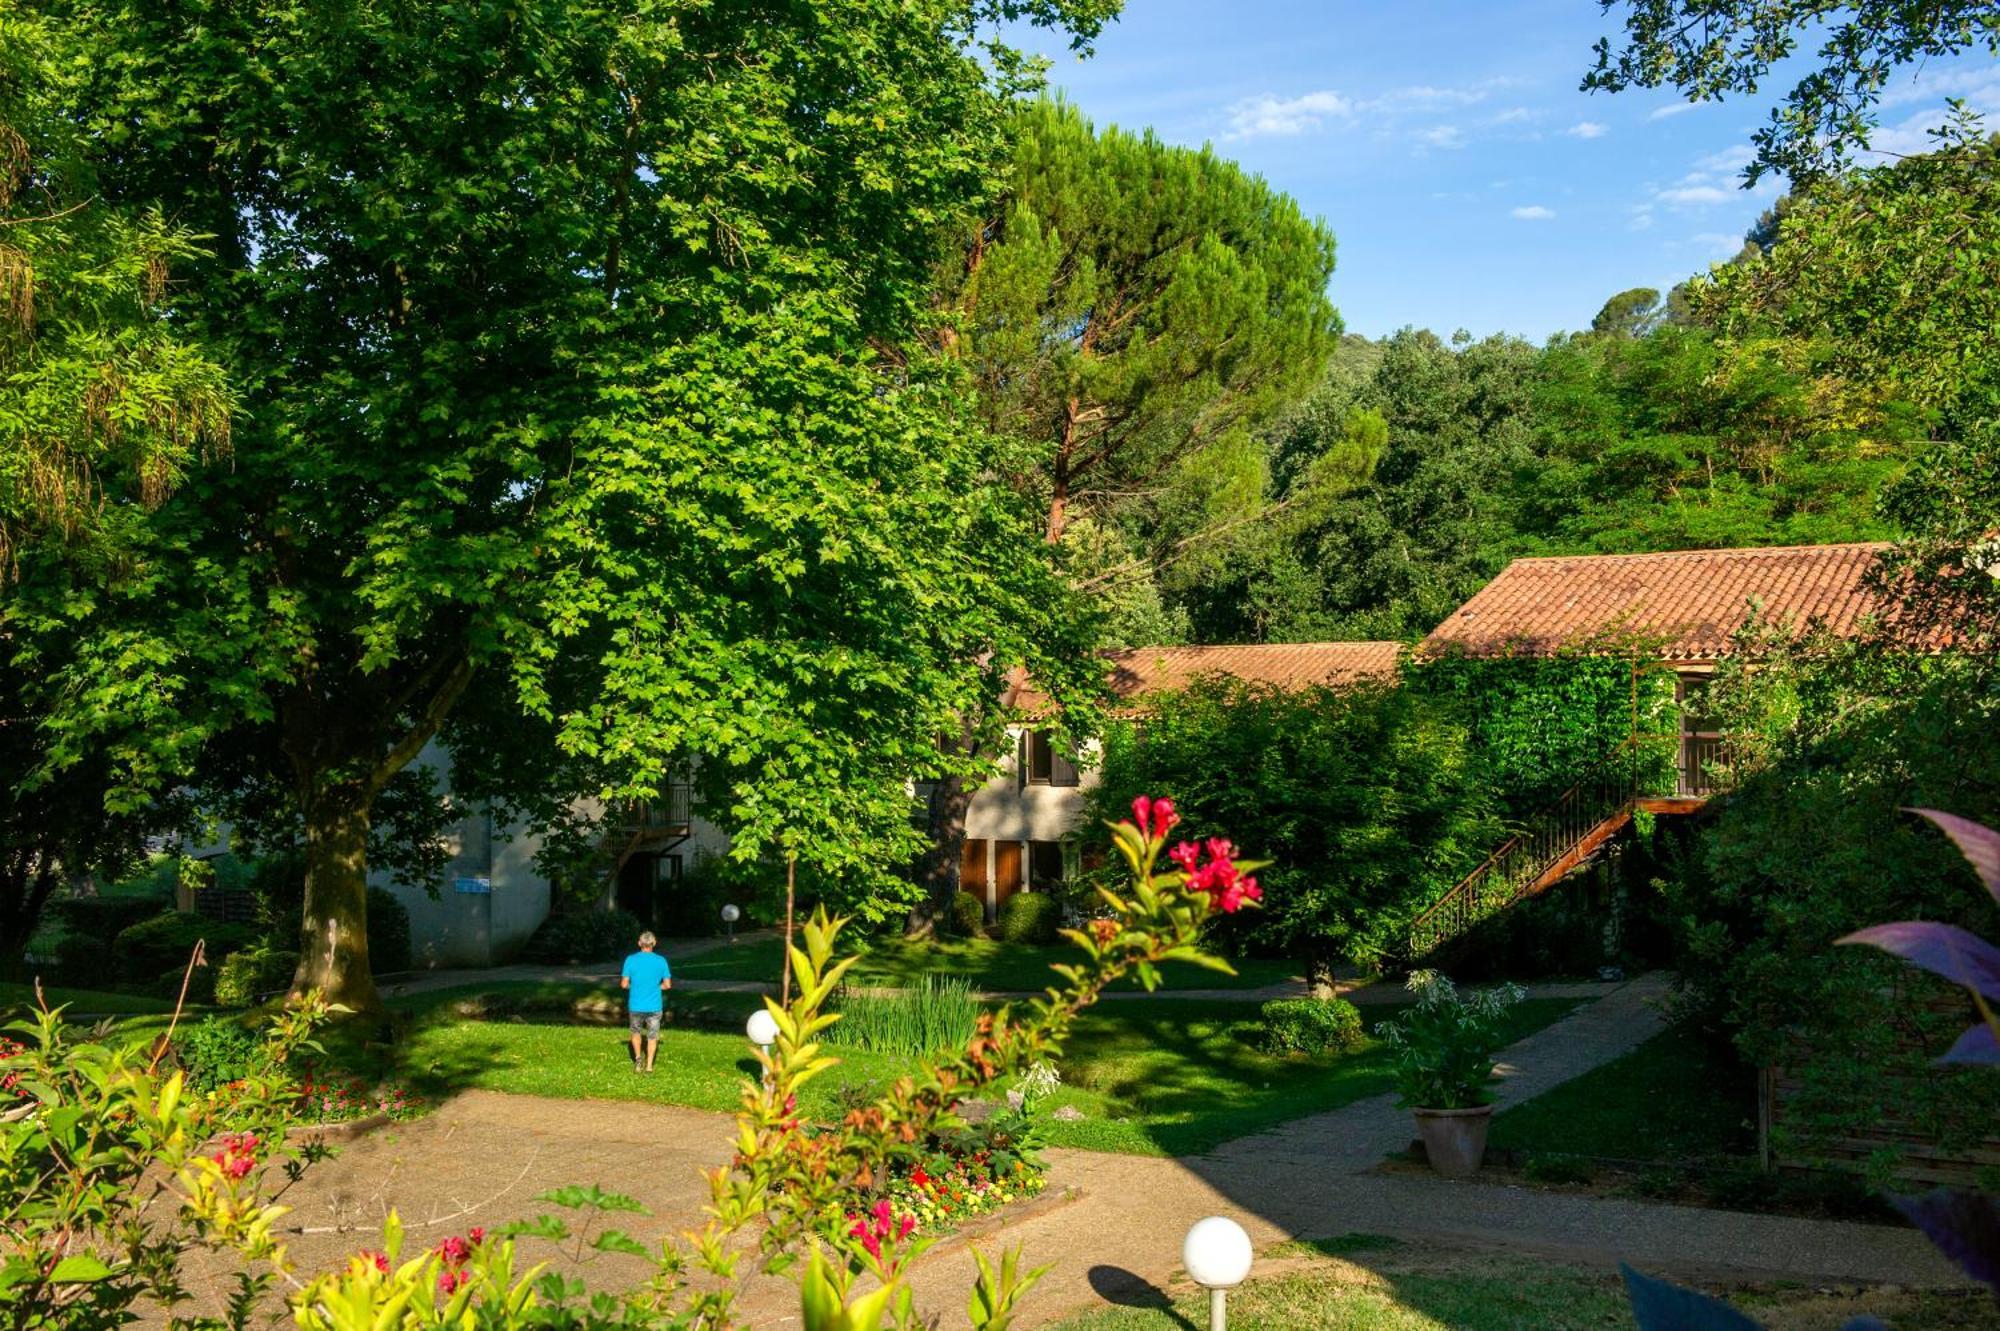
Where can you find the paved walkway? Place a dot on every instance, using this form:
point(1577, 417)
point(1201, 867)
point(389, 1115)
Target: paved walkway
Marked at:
point(483, 1156)
point(1309, 1179)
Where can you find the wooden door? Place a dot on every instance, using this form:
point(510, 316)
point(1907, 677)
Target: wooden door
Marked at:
point(1006, 871)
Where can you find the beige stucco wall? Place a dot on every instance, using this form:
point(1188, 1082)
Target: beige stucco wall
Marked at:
point(1005, 810)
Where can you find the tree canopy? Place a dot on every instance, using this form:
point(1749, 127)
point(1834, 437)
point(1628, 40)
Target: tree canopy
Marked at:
point(567, 341)
point(1710, 49)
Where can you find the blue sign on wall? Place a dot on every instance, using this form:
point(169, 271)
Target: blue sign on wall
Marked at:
point(473, 885)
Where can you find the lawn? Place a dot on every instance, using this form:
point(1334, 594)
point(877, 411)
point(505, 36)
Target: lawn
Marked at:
point(992, 966)
point(1677, 1097)
point(1363, 1282)
point(15, 999)
point(1153, 1077)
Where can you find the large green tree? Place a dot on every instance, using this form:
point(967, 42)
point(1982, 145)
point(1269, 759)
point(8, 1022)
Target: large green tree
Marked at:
point(1130, 312)
point(103, 404)
point(569, 341)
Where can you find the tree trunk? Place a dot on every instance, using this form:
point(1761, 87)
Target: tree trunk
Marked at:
point(1320, 979)
point(27, 881)
point(333, 940)
point(950, 797)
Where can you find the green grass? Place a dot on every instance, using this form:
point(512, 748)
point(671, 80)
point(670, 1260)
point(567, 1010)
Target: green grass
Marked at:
point(1676, 1097)
point(16, 998)
point(1179, 1076)
point(989, 965)
point(1160, 1077)
point(1377, 1284)
point(1490, 1295)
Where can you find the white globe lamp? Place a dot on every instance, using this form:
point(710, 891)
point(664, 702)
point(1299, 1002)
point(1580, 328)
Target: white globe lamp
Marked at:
point(731, 913)
point(1217, 1256)
point(762, 1028)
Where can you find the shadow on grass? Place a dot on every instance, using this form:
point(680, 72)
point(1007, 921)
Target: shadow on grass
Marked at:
point(1127, 1289)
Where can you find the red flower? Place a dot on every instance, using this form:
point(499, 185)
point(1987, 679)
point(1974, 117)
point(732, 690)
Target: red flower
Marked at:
point(1227, 887)
point(919, 1177)
point(1155, 817)
point(379, 1259)
point(238, 1155)
point(449, 1281)
point(477, 1234)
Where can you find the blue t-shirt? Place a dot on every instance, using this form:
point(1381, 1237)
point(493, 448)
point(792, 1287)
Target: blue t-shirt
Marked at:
point(645, 970)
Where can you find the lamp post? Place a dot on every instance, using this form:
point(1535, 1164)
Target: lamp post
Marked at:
point(731, 913)
point(1217, 1255)
point(762, 1028)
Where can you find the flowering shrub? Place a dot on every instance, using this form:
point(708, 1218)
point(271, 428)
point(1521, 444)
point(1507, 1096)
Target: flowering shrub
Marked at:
point(110, 1172)
point(902, 1152)
point(1442, 1051)
point(324, 1100)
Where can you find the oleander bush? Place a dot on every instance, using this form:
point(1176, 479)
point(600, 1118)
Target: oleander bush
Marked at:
point(1308, 1026)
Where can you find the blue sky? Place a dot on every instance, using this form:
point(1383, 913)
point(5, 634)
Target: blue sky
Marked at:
point(1467, 181)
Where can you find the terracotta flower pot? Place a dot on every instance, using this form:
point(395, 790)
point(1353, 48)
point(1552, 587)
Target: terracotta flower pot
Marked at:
point(1455, 1139)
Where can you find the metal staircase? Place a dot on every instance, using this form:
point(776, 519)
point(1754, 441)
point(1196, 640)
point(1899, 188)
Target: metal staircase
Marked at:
point(1552, 845)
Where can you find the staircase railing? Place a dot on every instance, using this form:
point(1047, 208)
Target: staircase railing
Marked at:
point(1510, 872)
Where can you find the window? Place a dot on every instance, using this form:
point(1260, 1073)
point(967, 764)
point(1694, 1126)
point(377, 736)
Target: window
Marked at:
point(1041, 765)
point(1045, 863)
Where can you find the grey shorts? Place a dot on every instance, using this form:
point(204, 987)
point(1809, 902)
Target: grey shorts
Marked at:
point(645, 1023)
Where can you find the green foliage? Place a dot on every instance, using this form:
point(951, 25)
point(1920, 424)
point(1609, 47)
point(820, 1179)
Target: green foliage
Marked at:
point(578, 937)
point(1713, 49)
point(1309, 1026)
point(619, 408)
point(105, 1140)
point(1813, 844)
point(1539, 723)
point(254, 972)
point(1371, 798)
point(1190, 299)
point(98, 918)
point(1443, 1046)
point(936, 1015)
point(1029, 917)
point(968, 915)
point(388, 932)
point(218, 1050)
point(148, 952)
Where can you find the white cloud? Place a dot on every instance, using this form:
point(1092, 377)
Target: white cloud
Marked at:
point(1441, 136)
point(1718, 243)
point(1267, 114)
point(1587, 129)
point(1533, 212)
point(1642, 220)
point(1513, 116)
point(1271, 114)
point(1692, 196)
point(1727, 162)
point(1671, 109)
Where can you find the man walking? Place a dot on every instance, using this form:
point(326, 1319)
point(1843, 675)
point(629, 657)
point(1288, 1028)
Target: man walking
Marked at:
point(645, 982)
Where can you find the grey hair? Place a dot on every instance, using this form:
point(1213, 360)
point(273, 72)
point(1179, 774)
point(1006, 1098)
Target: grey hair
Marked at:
point(647, 940)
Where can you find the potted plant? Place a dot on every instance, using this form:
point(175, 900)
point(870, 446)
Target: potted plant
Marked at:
point(1443, 1050)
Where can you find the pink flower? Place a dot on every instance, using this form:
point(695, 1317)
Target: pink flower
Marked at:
point(380, 1260)
point(454, 1251)
point(450, 1281)
point(908, 1223)
point(1155, 817)
point(477, 1234)
point(882, 1214)
point(1226, 886)
point(1184, 854)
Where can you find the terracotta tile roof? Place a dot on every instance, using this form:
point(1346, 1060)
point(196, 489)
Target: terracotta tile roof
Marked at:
point(1694, 600)
point(1135, 671)
point(1288, 665)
